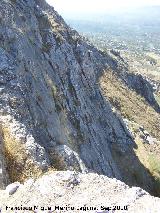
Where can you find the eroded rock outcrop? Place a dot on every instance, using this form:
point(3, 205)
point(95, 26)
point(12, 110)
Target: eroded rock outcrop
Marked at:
point(49, 93)
point(76, 192)
point(135, 81)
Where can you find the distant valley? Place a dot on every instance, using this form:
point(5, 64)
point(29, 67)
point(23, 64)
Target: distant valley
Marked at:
point(135, 34)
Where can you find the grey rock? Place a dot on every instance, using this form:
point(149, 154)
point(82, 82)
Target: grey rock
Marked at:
point(4, 60)
point(68, 159)
point(51, 103)
point(52, 93)
point(147, 138)
point(143, 87)
point(12, 188)
point(79, 190)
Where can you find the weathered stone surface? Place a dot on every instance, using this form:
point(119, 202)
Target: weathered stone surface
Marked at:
point(51, 93)
point(135, 81)
point(12, 188)
point(79, 191)
point(144, 88)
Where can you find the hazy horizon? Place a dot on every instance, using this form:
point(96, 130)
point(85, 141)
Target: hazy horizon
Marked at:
point(74, 9)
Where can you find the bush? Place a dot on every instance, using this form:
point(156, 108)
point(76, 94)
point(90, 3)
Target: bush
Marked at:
point(13, 1)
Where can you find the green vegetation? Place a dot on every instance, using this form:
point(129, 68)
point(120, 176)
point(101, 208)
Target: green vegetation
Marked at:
point(13, 1)
point(137, 41)
point(54, 90)
point(154, 165)
point(31, 40)
point(46, 47)
point(157, 97)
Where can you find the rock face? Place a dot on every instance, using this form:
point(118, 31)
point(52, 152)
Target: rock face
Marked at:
point(79, 193)
point(52, 111)
point(50, 100)
point(144, 88)
point(135, 81)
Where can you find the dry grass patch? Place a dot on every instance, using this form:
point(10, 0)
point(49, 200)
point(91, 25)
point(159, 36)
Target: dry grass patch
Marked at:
point(131, 105)
point(149, 157)
point(145, 171)
point(19, 166)
point(157, 97)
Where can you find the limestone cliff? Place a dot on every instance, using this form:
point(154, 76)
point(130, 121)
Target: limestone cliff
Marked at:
point(53, 114)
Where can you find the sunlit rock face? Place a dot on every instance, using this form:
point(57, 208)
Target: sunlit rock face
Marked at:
point(52, 111)
point(71, 191)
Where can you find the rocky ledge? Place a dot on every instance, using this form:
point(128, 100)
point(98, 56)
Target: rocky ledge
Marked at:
point(76, 192)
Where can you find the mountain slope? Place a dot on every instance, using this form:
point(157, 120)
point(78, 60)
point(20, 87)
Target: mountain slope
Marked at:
point(53, 114)
point(143, 123)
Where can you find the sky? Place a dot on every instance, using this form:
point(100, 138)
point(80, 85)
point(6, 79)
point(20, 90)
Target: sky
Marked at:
point(91, 6)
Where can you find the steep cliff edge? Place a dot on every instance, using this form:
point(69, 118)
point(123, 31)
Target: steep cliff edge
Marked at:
point(53, 114)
